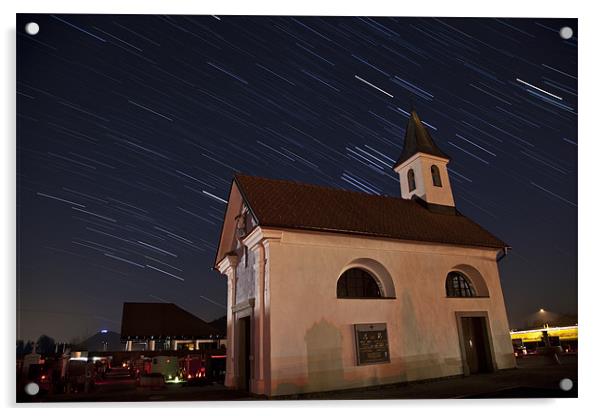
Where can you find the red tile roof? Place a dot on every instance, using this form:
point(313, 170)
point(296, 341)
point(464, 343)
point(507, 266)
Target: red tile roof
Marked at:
point(294, 205)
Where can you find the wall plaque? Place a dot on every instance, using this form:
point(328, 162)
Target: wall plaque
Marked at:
point(372, 344)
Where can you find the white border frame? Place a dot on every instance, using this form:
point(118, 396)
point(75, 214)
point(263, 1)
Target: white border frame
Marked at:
point(590, 147)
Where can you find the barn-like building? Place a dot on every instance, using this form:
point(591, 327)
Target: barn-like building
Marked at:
point(162, 326)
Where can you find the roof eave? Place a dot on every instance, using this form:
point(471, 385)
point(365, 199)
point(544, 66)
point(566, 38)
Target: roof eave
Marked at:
point(500, 246)
point(400, 162)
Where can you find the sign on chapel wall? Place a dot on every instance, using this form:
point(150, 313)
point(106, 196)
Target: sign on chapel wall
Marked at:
point(371, 344)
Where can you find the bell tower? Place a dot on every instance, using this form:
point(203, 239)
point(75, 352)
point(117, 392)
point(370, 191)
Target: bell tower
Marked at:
point(422, 166)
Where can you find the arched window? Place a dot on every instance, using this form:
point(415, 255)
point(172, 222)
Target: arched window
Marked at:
point(357, 283)
point(411, 180)
point(458, 285)
point(436, 176)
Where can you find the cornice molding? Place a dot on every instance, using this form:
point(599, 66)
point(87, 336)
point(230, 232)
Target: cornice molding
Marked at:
point(227, 263)
point(260, 234)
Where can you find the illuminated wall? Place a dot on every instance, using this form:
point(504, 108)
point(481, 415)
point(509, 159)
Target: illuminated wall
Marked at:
point(311, 338)
point(567, 333)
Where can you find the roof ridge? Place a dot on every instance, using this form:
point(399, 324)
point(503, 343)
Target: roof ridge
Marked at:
point(329, 188)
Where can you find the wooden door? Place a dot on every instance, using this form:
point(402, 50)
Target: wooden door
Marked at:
point(245, 352)
point(476, 344)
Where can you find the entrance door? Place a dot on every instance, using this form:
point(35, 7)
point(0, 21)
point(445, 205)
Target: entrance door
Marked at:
point(245, 352)
point(476, 344)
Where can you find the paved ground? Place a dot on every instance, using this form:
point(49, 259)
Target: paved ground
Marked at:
point(533, 378)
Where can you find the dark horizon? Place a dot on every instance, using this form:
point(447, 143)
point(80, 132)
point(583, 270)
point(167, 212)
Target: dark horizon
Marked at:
point(130, 128)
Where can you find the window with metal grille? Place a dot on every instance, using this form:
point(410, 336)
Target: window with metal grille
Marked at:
point(357, 283)
point(458, 285)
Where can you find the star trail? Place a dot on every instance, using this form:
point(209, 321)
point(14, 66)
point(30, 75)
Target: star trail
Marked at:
point(130, 128)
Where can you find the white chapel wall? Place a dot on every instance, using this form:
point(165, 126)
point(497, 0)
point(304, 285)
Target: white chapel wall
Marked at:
point(312, 339)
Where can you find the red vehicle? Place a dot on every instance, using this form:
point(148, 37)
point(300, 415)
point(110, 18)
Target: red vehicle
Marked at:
point(138, 367)
point(192, 367)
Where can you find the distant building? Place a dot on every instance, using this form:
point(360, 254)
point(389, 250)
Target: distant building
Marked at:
point(221, 324)
point(563, 336)
point(165, 326)
point(101, 341)
point(332, 289)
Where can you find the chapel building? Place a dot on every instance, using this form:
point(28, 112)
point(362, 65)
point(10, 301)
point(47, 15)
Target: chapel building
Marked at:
point(332, 289)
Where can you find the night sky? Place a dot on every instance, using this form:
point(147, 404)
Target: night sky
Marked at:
point(130, 128)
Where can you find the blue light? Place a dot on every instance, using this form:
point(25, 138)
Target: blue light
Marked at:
point(104, 331)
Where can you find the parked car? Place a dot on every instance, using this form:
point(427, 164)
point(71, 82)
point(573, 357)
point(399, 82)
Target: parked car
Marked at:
point(166, 365)
point(519, 348)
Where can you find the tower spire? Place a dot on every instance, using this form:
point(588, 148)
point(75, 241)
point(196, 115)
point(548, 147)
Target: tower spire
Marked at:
point(418, 140)
point(422, 166)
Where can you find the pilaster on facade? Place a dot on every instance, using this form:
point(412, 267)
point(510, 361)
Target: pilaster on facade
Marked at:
point(258, 241)
point(227, 267)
